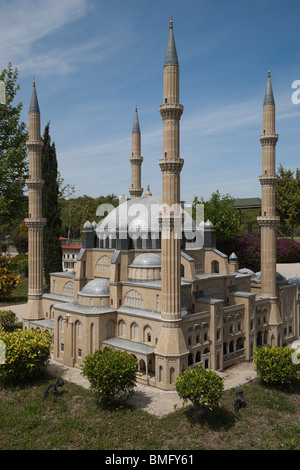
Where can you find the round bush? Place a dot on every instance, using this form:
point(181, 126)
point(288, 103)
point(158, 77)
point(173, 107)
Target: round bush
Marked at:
point(274, 365)
point(203, 387)
point(112, 374)
point(27, 354)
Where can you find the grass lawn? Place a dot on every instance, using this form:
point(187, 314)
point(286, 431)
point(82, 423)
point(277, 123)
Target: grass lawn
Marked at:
point(74, 421)
point(18, 296)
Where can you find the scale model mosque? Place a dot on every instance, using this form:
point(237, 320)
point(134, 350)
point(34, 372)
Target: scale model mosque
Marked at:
point(151, 282)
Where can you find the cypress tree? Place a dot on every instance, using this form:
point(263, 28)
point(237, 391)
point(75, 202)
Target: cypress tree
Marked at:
point(51, 211)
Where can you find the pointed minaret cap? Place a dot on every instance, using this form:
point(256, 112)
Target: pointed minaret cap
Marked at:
point(171, 53)
point(269, 97)
point(136, 125)
point(34, 105)
point(148, 193)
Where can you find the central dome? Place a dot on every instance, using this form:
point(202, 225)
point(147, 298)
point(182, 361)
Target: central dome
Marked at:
point(134, 224)
point(146, 260)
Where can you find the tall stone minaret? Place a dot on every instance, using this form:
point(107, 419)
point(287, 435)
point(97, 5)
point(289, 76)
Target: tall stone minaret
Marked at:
point(35, 222)
point(171, 351)
point(268, 219)
point(136, 159)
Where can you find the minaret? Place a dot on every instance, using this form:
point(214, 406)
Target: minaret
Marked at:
point(268, 220)
point(171, 351)
point(35, 222)
point(136, 159)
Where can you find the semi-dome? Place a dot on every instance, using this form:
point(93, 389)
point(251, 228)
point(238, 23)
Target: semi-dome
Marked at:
point(279, 277)
point(96, 287)
point(146, 260)
point(295, 279)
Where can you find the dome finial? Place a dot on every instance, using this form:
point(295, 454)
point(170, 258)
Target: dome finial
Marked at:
point(171, 22)
point(148, 193)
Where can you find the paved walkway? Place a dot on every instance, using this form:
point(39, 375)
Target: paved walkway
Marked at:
point(151, 399)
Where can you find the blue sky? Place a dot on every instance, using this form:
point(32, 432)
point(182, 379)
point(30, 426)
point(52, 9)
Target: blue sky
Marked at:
point(94, 60)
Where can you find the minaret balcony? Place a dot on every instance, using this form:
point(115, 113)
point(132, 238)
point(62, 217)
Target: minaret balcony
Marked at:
point(268, 221)
point(172, 165)
point(136, 159)
point(171, 111)
point(268, 139)
point(268, 180)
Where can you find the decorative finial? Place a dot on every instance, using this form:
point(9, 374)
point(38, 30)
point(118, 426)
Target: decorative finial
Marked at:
point(33, 81)
point(148, 193)
point(171, 22)
point(269, 73)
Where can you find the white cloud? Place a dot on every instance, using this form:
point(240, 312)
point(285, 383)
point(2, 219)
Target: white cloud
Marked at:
point(24, 22)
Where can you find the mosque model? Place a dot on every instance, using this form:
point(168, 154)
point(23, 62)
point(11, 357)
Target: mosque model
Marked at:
point(151, 282)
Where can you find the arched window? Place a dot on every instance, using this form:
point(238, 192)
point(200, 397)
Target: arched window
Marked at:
point(197, 263)
point(215, 266)
point(68, 289)
point(134, 331)
point(122, 328)
point(79, 329)
point(133, 298)
point(172, 375)
point(103, 264)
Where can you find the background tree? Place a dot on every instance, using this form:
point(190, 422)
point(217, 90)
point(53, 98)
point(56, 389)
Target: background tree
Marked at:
point(220, 210)
point(288, 198)
point(51, 210)
point(13, 153)
point(8, 279)
point(86, 216)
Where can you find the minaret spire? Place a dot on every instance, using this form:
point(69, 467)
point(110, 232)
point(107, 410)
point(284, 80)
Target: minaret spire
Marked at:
point(136, 159)
point(35, 222)
point(268, 220)
point(171, 350)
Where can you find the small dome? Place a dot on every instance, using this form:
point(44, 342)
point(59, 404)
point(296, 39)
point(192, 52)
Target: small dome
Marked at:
point(146, 260)
point(208, 225)
point(88, 226)
point(295, 279)
point(246, 271)
point(96, 287)
point(233, 257)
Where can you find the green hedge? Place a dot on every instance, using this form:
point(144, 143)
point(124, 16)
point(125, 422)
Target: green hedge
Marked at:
point(26, 354)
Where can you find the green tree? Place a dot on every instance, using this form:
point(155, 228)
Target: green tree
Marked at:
point(51, 210)
point(220, 210)
point(8, 280)
point(86, 216)
point(203, 387)
point(112, 374)
point(13, 152)
point(288, 198)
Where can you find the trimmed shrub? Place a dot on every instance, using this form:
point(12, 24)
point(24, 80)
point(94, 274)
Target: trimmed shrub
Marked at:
point(203, 387)
point(27, 354)
point(274, 365)
point(112, 374)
